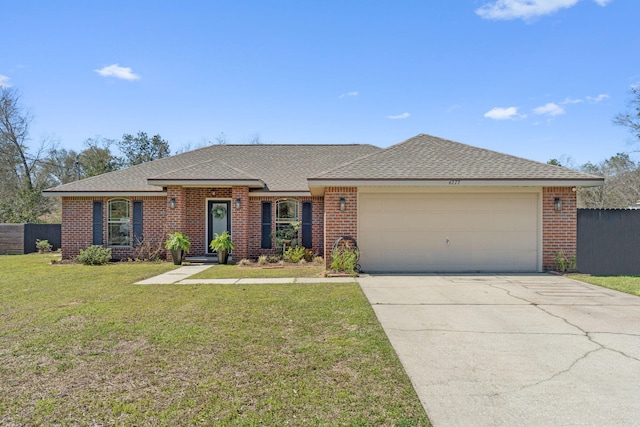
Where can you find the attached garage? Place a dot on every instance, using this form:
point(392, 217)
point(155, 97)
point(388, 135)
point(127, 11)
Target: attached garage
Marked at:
point(464, 231)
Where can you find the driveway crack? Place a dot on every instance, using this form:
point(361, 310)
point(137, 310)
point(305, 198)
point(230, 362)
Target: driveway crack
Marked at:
point(583, 332)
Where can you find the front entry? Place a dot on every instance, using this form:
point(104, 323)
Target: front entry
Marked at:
point(218, 219)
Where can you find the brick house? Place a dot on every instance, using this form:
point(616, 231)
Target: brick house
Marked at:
point(426, 204)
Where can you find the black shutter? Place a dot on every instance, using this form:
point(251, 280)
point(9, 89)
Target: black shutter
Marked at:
point(137, 222)
point(97, 222)
point(266, 225)
point(307, 225)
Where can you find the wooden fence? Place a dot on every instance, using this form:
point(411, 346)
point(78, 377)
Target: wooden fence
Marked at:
point(608, 241)
point(21, 238)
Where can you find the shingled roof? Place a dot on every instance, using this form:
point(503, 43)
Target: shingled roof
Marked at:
point(426, 157)
point(272, 167)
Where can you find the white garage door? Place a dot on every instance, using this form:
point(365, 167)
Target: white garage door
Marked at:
point(448, 232)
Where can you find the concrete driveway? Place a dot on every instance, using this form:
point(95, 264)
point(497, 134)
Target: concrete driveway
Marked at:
point(514, 350)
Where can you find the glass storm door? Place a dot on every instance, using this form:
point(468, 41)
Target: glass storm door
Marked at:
point(218, 219)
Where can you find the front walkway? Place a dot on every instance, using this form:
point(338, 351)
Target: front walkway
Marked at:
point(180, 276)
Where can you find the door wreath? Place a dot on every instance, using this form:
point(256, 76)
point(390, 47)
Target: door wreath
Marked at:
point(219, 212)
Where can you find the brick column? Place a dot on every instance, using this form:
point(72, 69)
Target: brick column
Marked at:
point(559, 229)
point(176, 217)
point(339, 223)
point(240, 223)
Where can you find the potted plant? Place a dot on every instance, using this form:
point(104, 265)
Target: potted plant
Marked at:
point(178, 244)
point(222, 244)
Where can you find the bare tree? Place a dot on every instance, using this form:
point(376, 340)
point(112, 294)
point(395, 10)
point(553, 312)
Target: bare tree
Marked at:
point(23, 200)
point(631, 119)
point(621, 187)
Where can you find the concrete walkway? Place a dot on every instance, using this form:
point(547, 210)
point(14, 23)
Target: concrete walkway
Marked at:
point(180, 276)
point(514, 350)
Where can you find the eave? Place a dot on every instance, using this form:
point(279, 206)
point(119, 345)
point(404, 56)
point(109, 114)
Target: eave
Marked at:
point(317, 185)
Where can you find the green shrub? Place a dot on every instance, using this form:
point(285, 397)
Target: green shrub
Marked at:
point(564, 263)
point(344, 260)
point(273, 259)
point(43, 246)
point(295, 254)
point(94, 255)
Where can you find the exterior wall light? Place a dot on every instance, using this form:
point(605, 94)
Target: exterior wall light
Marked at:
point(343, 204)
point(557, 204)
point(238, 204)
point(172, 203)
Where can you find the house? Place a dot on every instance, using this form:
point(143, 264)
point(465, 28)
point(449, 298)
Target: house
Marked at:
point(425, 204)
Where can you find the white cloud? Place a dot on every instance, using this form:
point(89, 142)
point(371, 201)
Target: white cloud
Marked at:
point(498, 113)
point(550, 109)
point(526, 9)
point(4, 81)
point(599, 98)
point(352, 94)
point(399, 116)
point(571, 101)
point(118, 72)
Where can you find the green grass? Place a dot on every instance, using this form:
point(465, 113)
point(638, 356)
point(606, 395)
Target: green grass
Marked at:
point(233, 271)
point(628, 284)
point(83, 346)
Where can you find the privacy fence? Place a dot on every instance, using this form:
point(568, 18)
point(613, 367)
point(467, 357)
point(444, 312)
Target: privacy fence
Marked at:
point(609, 241)
point(21, 238)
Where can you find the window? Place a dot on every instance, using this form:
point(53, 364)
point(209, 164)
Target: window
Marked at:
point(286, 213)
point(118, 223)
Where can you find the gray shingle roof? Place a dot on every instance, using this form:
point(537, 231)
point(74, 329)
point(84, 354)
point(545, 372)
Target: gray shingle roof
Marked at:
point(280, 167)
point(426, 157)
point(294, 167)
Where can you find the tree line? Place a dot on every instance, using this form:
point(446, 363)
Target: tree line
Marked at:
point(26, 172)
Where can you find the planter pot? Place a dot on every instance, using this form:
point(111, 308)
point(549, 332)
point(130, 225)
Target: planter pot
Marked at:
point(177, 255)
point(223, 256)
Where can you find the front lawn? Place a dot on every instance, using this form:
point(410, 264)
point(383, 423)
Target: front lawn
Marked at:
point(83, 346)
point(628, 284)
point(230, 271)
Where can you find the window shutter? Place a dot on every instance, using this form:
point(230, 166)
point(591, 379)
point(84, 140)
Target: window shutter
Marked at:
point(97, 222)
point(266, 225)
point(307, 225)
point(137, 222)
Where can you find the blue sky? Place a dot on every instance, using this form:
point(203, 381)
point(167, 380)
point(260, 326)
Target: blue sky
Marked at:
point(533, 78)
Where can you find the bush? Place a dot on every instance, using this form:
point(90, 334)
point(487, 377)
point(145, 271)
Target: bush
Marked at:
point(318, 259)
point(43, 246)
point(344, 260)
point(564, 263)
point(148, 250)
point(274, 259)
point(263, 260)
point(94, 255)
point(294, 254)
point(244, 262)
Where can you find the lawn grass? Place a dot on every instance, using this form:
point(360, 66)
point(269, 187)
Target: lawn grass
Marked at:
point(83, 346)
point(231, 271)
point(628, 284)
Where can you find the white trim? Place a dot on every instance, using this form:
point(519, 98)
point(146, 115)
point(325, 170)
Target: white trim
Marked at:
point(206, 219)
point(196, 183)
point(317, 186)
point(105, 194)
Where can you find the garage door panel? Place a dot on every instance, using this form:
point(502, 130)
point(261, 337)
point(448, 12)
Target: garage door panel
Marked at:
point(485, 232)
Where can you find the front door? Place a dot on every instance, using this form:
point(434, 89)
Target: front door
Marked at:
point(218, 219)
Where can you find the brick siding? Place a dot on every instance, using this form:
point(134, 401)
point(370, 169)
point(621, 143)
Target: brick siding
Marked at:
point(559, 229)
point(337, 223)
point(77, 223)
point(255, 224)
